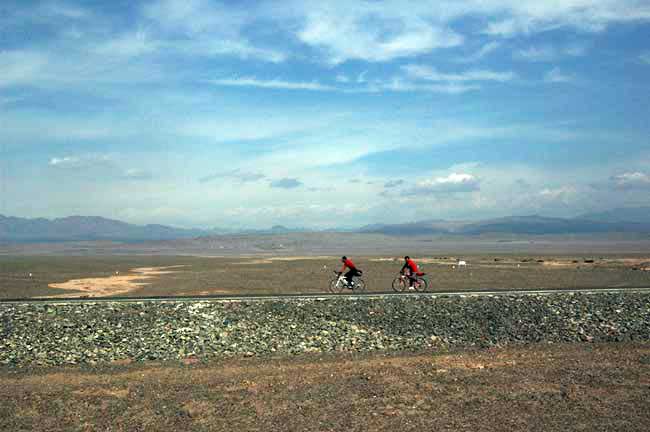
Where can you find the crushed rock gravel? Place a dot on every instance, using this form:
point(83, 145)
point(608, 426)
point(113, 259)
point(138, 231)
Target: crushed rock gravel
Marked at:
point(89, 333)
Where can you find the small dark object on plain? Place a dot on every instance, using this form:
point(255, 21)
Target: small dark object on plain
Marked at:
point(589, 261)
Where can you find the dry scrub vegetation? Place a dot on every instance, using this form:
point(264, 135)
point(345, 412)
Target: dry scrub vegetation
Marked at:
point(538, 387)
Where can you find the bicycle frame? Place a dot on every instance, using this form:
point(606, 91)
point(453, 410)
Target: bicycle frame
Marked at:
point(407, 280)
point(341, 282)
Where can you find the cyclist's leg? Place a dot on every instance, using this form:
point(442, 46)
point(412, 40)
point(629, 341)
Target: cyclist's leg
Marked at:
point(357, 273)
point(411, 277)
point(349, 275)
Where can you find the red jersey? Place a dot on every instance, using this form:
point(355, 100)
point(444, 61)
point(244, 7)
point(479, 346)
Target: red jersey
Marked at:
point(349, 264)
point(412, 266)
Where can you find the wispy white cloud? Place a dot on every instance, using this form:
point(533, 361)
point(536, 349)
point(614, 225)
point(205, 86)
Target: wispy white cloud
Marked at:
point(271, 84)
point(453, 183)
point(645, 57)
point(204, 28)
point(485, 50)
point(193, 17)
point(236, 174)
point(341, 78)
point(562, 194)
point(238, 48)
point(431, 74)
point(393, 183)
point(631, 180)
point(137, 174)
point(63, 9)
point(540, 16)
point(286, 183)
point(84, 161)
point(371, 32)
point(398, 84)
point(99, 167)
point(361, 78)
point(555, 75)
point(128, 45)
point(28, 129)
point(20, 66)
point(77, 68)
point(64, 161)
point(546, 53)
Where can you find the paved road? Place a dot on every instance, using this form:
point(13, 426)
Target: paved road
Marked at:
point(320, 296)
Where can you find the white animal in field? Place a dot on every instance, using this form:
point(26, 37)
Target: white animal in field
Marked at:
point(462, 263)
point(30, 275)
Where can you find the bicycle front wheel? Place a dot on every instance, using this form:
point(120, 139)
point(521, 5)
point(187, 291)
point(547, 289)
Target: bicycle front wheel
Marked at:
point(399, 284)
point(336, 286)
point(421, 285)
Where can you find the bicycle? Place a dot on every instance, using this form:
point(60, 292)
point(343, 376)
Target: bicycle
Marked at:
point(402, 283)
point(339, 282)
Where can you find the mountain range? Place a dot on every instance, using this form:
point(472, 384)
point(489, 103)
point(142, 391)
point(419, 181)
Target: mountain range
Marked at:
point(636, 220)
point(86, 228)
point(94, 228)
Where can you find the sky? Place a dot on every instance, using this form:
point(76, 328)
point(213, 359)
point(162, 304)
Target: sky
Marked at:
point(322, 114)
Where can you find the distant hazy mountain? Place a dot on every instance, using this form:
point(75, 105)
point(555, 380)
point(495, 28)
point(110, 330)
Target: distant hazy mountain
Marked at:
point(413, 228)
point(86, 228)
point(275, 229)
point(532, 225)
point(81, 228)
point(630, 214)
point(538, 225)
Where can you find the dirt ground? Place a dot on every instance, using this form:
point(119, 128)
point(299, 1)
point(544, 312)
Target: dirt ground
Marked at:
point(114, 285)
point(158, 275)
point(532, 388)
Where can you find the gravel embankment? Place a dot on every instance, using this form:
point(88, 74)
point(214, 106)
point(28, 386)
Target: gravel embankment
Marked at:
point(87, 333)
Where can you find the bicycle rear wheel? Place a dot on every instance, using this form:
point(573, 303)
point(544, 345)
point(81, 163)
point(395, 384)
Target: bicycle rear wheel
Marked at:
point(399, 284)
point(422, 285)
point(359, 285)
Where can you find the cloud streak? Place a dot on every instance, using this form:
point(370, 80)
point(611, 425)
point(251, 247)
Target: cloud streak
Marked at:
point(79, 161)
point(271, 84)
point(236, 175)
point(428, 73)
point(556, 76)
point(453, 183)
point(645, 57)
point(485, 50)
point(286, 183)
point(547, 53)
point(631, 181)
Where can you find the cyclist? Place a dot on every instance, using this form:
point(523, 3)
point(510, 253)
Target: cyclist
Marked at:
point(410, 269)
point(352, 272)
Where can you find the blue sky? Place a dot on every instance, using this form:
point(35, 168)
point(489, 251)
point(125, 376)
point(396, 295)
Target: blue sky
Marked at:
point(323, 114)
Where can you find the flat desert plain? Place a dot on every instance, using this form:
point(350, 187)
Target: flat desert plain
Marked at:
point(134, 275)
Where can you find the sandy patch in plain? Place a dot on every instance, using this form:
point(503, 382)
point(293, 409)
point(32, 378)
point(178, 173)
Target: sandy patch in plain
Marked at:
point(270, 260)
point(112, 285)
